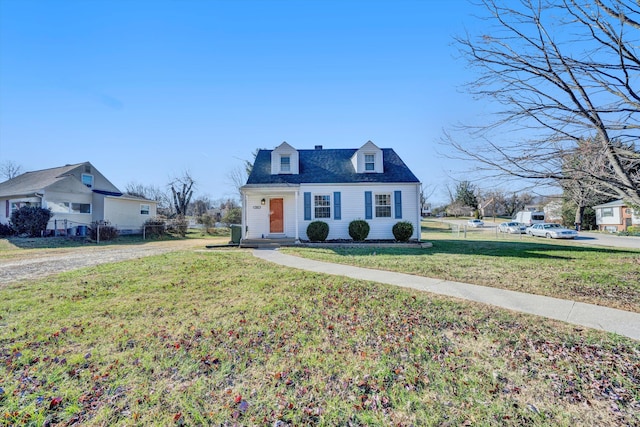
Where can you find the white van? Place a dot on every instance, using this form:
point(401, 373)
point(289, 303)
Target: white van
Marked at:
point(529, 218)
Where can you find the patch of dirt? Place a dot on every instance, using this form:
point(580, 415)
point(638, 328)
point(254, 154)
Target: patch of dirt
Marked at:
point(38, 265)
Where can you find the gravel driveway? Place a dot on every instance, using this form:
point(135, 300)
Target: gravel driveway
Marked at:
point(37, 265)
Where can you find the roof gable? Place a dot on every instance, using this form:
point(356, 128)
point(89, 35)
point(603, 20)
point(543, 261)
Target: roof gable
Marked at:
point(612, 204)
point(38, 181)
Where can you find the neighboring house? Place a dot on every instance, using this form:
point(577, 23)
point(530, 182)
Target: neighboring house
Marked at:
point(77, 195)
point(616, 216)
point(289, 188)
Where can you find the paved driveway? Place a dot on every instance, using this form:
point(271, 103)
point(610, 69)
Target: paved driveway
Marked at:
point(31, 265)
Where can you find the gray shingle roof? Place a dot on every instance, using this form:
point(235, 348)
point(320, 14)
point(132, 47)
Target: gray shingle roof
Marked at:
point(330, 166)
point(30, 182)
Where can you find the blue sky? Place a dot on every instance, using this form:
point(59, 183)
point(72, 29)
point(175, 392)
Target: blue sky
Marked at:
point(148, 89)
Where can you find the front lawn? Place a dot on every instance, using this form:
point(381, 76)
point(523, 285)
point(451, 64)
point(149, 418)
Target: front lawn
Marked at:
point(591, 274)
point(223, 338)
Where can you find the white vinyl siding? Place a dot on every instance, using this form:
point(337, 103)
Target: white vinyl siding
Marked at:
point(257, 222)
point(352, 207)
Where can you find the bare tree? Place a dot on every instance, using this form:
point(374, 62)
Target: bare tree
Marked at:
point(150, 192)
point(182, 191)
point(238, 176)
point(516, 202)
point(200, 206)
point(9, 169)
point(560, 71)
point(426, 192)
point(579, 187)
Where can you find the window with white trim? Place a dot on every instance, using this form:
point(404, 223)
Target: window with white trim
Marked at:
point(17, 205)
point(58, 207)
point(81, 208)
point(383, 205)
point(285, 164)
point(87, 180)
point(66, 207)
point(322, 206)
point(369, 162)
point(607, 212)
point(144, 209)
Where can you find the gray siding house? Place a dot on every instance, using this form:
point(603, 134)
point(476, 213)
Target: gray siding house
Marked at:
point(76, 195)
point(289, 188)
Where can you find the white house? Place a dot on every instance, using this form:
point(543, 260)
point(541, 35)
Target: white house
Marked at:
point(76, 195)
point(289, 188)
point(616, 216)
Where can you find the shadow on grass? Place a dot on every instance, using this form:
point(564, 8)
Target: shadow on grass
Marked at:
point(76, 242)
point(511, 249)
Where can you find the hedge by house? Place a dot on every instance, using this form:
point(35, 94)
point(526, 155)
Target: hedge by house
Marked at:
point(359, 229)
point(402, 231)
point(317, 231)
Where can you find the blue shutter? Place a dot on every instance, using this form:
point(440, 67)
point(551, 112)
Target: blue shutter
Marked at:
point(397, 197)
point(368, 207)
point(337, 214)
point(307, 206)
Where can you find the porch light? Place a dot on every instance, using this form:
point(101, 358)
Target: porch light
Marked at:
point(262, 202)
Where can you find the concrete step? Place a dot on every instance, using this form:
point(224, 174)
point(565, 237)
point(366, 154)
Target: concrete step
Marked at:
point(266, 243)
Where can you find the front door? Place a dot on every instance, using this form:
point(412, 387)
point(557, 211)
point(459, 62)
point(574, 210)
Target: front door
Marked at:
point(276, 222)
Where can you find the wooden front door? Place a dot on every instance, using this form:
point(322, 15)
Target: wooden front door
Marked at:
point(276, 216)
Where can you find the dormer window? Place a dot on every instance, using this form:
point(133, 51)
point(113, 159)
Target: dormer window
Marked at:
point(87, 180)
point(369, 162)
point(368, 159)
point(285, 160)
point(285, 164)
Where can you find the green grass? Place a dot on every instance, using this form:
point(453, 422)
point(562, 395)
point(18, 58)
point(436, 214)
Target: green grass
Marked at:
point(222, 338)
point(19, 247)
point(591, 274)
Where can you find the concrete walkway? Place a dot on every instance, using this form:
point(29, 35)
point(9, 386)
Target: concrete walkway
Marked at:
point(592, 316)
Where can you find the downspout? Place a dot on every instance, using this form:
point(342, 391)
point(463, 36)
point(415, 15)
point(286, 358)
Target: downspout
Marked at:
point(419, 211)
point(297, 218)
point(243, 231)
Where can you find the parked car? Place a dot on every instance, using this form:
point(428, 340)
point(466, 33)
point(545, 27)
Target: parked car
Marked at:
point(475, 223)
point(512, 227)
point(551, 231)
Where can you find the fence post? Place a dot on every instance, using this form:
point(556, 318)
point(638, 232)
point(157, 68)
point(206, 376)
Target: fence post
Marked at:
point(98, 233)
point(144, 232)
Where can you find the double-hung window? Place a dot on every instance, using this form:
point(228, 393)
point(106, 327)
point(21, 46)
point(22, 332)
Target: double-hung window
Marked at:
point(322, 205)
point(369, 162)
point(607, 212)
point(285, 164)
point(383, 205)
point(144, 209)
